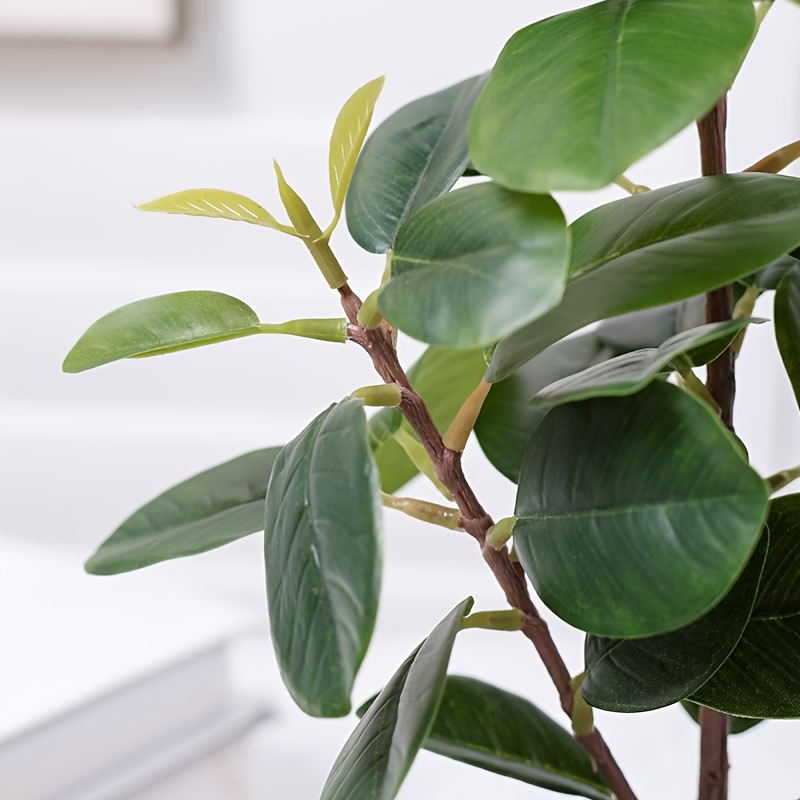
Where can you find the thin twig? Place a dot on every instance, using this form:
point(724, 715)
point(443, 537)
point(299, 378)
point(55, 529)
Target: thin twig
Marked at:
point(378, 342)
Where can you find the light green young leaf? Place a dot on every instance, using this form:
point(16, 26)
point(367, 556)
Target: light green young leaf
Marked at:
point(218, 204)
point(347, 138)
point(323, 557)
point(575, 99)
point(376, 758)
point(209, 510)
point(787, 325)
point(163, 324)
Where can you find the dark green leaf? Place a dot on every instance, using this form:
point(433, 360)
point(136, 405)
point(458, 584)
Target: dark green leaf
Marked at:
point(490, 728)
point(643, 674)
point(623, 528)
point(161, 325)
point(576, 99)
point(663, 246)
point(768, 278)
point(787, 325)
point(323, 557)
point(380, 751)
point(735, 724)
point(444, 378)
point(762, 675)
point(416, 155)
point(507, 420)
point(209, 510)
point(476, 265)
point(631, 372)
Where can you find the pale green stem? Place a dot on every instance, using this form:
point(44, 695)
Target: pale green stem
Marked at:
point(326, 330)
point(420, 459)
point(385, 395)
point(369, 315)
point(425, 511)
point(762, 9)
point(582, 713)
point(743, 309)
point(695, 385)
point(624, 182)
point(509, 619)
point(500, 533)
point(780, 480)
point(777, 160)
point(461, 427)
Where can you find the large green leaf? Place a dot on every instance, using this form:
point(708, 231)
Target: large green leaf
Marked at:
point(623, 528)
point(476, 265)
point(211, 509)
point(159, 325)
point(762, 675)
point(575, 99)
point(787, 325)
point(416, 155)
point(490, 728)
point(663, 246)
point(380, 751)
point(323, 557)
point(507, 419)
point(631, 372)
point(643, 674)
point(444, 378)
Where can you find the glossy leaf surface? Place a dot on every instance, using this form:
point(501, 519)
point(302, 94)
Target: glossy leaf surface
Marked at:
point(660, 247)
point(475, 265)
point(787, 325)
point(575, 99)
point(496, 730)
point(323, 557)
point(348, 136)
point(416, 155)
point(159, 325)
point(507, 419)
point(211, 509)
point(218, 204)
point(629, 373)
point(644, 674)
point(761, 677)
point(623, 529)
point(380, 751)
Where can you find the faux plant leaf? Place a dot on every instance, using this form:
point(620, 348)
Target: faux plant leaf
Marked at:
point(444, 378)
point(476, 265)
point(735, 724)
point(768, 278)
point(416, 155)
point(660, 247)
point(323, 557)
point(623, 529)
point(348, 136)
point(211, 509)
point(218, 204)
point(380, 751)
point(643, 674)
point(490, 728)
point(630, 373)
point(160, 325)
point(787, 325)
point(507, 420)
point(761, 677)
point(575, 99)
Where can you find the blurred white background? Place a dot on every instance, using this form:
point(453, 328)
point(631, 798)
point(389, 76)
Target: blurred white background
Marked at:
point(97, 117)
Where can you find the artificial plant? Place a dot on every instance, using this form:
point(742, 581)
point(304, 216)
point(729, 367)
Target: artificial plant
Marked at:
point(638, 517)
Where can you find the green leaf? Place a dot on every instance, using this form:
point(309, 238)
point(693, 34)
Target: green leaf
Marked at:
point(575, 99)
point(787, 325)
point(768, 278)
point(507, 420)
point(660, 247)
point(630, 373)
point(162, 324)
point(209, 510)
point(348, 136)
point(444, 378)
point(475, 265)
point(495, 730)
point(218, 204)
point(631, 675)
point(623, 528)
point(416, 155)
point(735, 724)
point(380, 751)
point(761, 677)
point(323, 557)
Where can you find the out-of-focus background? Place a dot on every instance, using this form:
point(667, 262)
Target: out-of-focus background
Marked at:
point(160, 685)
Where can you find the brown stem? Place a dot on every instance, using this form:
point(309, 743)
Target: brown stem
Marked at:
point(721, 384)
point(378, 342)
